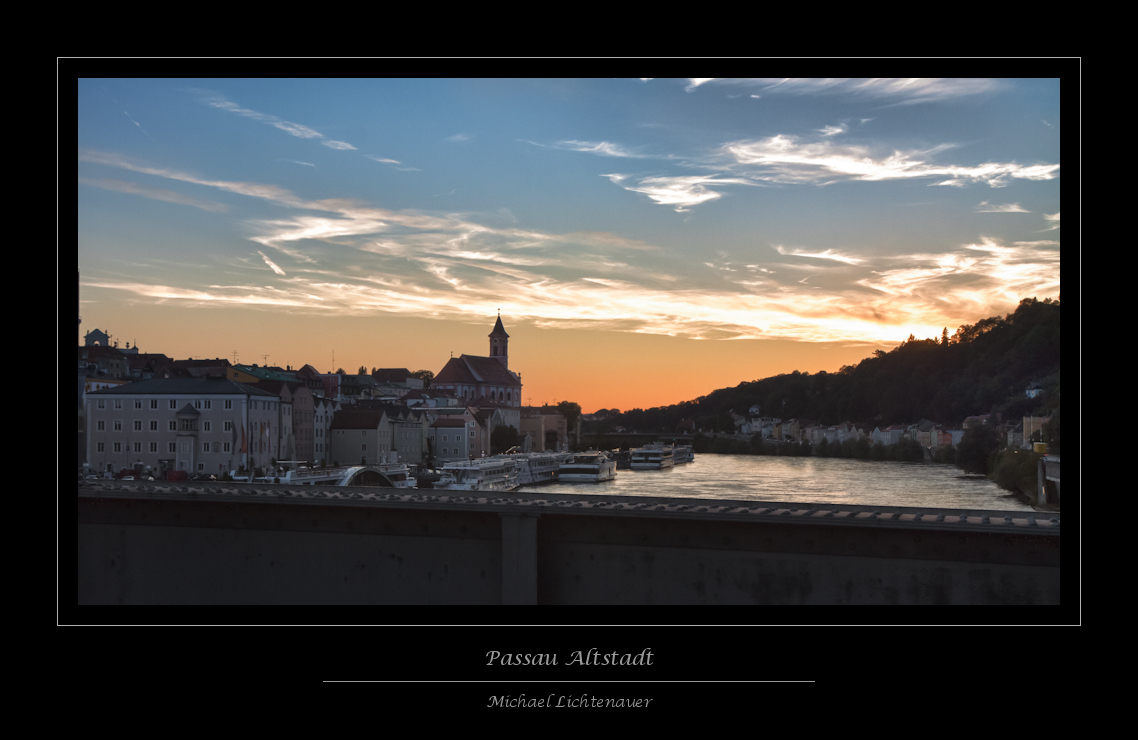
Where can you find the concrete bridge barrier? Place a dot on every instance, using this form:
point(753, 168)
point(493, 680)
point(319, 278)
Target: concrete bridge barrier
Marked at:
point(241, 544)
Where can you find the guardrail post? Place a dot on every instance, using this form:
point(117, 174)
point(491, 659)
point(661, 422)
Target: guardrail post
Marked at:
point(519, 559)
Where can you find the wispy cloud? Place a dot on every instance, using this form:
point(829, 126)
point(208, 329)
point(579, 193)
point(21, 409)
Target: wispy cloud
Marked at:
point(458, 138)
point(789, 159)
point(832, 130)
point(343, 257)
point(904, 90)
point(136, 123)
point(271, 264)
point(216, 100)
point(384, 160)
point(982, 278)
point(828, 254)
point(1054, 219)
point(332, 144)
point(986, 207)
point(122, 186)
point(273, 193)
point(603, 148)
point(679, 192)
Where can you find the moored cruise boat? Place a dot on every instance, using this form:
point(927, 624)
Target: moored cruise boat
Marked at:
point(587, 467)
point(682, 454)
point(652, 457)
point(498, 473)
point(538, 467)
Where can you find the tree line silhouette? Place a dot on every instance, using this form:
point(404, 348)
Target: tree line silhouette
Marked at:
point(983, 368)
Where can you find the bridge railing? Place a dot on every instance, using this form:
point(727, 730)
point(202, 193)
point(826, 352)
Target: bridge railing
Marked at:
point(154, 543)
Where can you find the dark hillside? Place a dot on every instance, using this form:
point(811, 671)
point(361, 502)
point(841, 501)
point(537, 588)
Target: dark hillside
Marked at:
point(982, 368)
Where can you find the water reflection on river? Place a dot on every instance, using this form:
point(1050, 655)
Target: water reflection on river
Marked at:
point(806, 480)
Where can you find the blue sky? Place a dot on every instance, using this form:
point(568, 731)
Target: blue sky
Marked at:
point(837, 212)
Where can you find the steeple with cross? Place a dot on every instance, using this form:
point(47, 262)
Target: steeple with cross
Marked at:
point(499, 342)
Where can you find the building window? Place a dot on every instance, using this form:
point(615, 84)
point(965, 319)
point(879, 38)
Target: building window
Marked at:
point(207, 404)
point(99, 447)
point(154, 403)
point(138, 403)
point(185, 447)
point(137, 425)
point(225, 447)
point(173, 426)
point(118, 403)
point(118, 446)
point(102, 404)
point(205, 426)
point(229, 404)
point(229, 426)
point(100, 425)
point(201, 466)
point(138, 447)
point(154, 426)
point(173, 404)
point(154, 447)
point(197, 404)
point(172, 448)
point(205, 446)
point(118, 425)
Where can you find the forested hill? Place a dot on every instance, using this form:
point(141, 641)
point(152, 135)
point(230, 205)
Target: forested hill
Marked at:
point(982, 368)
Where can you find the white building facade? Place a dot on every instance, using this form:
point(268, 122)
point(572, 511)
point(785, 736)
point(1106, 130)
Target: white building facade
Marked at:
point(191, 425)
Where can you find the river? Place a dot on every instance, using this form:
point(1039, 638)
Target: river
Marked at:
point(813, 480)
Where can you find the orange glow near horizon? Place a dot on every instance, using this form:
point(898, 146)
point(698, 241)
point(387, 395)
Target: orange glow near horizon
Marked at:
point(596, 369)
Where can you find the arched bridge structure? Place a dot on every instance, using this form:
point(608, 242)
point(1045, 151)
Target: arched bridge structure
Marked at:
point(367, 476)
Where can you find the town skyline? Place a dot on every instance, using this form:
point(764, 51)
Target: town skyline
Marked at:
point(646, 240)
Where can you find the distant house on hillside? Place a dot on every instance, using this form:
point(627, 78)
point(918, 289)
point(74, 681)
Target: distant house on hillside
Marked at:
point(976, 420)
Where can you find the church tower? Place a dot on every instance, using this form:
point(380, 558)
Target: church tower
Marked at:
point(499, 340)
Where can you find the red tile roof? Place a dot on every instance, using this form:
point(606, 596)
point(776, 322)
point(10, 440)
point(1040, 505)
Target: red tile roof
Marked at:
point(471, 370)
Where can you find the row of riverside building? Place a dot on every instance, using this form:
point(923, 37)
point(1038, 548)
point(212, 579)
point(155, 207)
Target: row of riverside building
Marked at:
point(927, 433)
point(145, 412)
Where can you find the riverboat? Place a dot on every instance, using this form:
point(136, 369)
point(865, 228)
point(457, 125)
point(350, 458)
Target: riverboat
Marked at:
point(499, 473)
point(538, 467)
point(587, 467)
point(652, 457)
point(683, 454)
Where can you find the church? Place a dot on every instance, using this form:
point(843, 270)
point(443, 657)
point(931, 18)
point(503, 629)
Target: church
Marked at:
point(473, 378)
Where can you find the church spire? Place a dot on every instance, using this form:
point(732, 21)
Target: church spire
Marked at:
point(499, 343)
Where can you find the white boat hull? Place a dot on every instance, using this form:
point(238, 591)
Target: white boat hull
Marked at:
point(587, 468)
point(654, 465)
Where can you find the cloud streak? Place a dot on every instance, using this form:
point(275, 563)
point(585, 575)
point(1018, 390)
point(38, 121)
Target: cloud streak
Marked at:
point(900, 90)
point(345, 257)
point(986, 207)
point(789, 159)
point(169, 196)
point(680, 192)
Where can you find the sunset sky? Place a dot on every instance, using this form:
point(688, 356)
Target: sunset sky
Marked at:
point(646, 240)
